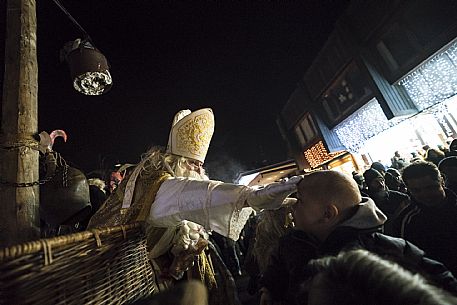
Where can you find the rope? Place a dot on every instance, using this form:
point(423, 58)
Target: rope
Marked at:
point(47, 251)
point(124, 232)
point(97, 237)
point(206, 270)
point(20, 144)
point(63, 9)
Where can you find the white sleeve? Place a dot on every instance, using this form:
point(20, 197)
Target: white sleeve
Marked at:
point(215, 205)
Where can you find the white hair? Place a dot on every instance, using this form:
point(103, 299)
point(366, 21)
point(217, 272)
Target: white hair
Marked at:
point(156, 159)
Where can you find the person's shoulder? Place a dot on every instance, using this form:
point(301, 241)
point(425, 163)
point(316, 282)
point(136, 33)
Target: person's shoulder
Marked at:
point(387, 240)
point(411, 207)
point(388, 245)
point(450, 205)
point(451, 196)
point(292, 234)
point(295, 236)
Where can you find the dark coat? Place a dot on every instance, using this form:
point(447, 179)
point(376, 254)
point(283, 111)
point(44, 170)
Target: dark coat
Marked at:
point(287, 270)
point(391, 204)
point(433, 229)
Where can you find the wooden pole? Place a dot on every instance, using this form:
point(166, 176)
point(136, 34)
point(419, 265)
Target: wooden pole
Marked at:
point(19, 218)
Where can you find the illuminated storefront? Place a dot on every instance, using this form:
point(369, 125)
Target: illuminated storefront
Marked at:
point(317, 156)
point(411, 135)
point(432, 88)
point(347, 164)
point(268, 174)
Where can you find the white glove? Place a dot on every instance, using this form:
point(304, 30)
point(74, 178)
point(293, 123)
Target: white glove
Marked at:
point(272, 195)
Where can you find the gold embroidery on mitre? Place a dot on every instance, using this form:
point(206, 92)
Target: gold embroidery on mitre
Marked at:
point(195, 135)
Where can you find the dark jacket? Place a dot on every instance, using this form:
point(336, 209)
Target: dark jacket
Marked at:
point(286, 270)
point(391, 204)
point(433, 229)
point(362, 231)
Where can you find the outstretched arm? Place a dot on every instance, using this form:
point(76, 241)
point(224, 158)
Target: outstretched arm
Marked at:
point(218, 206)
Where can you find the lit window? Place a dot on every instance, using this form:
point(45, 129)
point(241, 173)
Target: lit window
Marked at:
point(433, 81)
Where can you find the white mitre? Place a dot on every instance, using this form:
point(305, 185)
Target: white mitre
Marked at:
point(191, 133)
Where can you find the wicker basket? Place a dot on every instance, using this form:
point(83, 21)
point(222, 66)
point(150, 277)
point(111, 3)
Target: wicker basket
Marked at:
point(106, 266)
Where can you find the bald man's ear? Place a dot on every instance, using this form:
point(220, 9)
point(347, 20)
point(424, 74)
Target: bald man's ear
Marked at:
point(331, 213)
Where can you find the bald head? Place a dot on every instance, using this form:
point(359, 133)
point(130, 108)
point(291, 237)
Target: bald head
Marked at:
point(325, 199)
point(330, 187)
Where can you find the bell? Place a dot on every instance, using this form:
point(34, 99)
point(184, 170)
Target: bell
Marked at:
point(89, 68)
point(64, 199)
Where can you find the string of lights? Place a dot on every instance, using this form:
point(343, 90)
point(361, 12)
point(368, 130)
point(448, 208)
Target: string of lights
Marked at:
point(434, 81)
point(428, 86)
point(363, 124)
point(318, 154)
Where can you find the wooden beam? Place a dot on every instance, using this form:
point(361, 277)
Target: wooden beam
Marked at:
point(19, 218)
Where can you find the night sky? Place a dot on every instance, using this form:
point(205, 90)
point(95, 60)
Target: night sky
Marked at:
point(241, 58)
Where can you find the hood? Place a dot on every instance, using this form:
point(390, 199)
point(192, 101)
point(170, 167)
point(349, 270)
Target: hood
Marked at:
point(367, 216)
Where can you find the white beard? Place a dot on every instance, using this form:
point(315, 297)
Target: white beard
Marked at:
point(187, 173)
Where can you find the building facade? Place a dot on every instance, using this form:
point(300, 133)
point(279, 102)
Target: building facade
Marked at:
point(384, 82)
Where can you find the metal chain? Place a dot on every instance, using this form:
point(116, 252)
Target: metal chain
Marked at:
point(65, 176)
point(60, 162)
point(28, 184)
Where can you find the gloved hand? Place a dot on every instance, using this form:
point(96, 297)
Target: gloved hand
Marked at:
point(272, 195)
point(188, 235)
point(190, 240)
point(184, 260)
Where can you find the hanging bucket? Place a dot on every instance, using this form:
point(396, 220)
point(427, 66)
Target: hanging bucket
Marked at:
point(89, 68)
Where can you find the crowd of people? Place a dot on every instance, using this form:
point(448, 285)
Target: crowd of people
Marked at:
point(383, 236)
point(404, 215)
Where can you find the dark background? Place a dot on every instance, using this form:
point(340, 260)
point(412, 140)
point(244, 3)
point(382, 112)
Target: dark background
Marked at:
point(241, 58)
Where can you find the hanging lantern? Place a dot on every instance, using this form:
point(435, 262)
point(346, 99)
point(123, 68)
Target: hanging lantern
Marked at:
point(89, 68)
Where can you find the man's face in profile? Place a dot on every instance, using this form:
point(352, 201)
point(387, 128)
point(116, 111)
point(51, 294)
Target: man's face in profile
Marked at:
point(306, 210)
point(191, 169)
point(426, 190)
point(378, 184)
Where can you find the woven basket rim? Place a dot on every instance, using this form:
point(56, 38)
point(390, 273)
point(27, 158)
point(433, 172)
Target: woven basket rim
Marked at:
point(46, 244)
